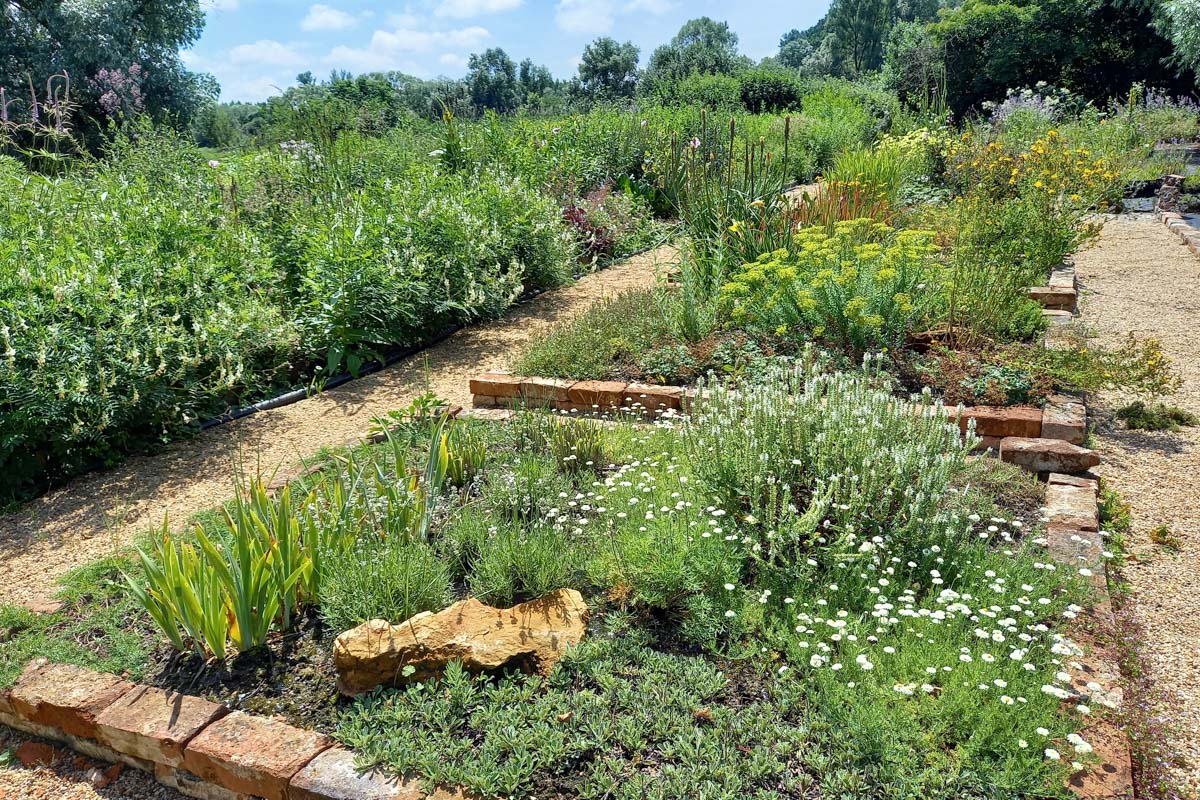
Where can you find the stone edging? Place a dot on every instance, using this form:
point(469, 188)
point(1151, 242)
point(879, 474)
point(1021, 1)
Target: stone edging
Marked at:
point(197, 747)
point(1036, 439)
point(1059, 298)
point(1073, 538)
point(1177, 225)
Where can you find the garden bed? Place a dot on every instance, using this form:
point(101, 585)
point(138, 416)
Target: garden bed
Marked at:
point(668, 649)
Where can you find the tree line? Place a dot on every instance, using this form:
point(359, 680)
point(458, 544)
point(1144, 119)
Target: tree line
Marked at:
point(93, 62)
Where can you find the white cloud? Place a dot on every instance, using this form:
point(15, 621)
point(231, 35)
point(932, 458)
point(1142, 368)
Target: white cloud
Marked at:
point(472, 8)
point(321, 17)
point(394, 49)
point(453, 60)
point(266, 52)
point(585, 16)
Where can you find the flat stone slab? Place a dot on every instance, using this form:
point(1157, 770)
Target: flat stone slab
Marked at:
point(596, 394)
point(1056, 297)
point(652, 397)
point(257, 756)
point(1059, 479)
point(545, 391)
point(1001, 421)
point(1064, 418)
point(333, 776)
point(155, 725)
point(1072, 506)
point(496, 384)
point(65, 697)
point(1047, 455)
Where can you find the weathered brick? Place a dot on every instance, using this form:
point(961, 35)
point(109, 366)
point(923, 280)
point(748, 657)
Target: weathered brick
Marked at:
point(155, 725)
point(545, 391)
point(1061, 298)
point(333, 776)
point(988, 443)
point(1064, 418)
point(66, 697)
point(1047, 455)
point(1057, 478)
point(1055, 317)
point(1075, 548)
point(483, 401)
point(1062, 277)
point(191, 785)
point(497, 384)
point(595, 394)
point(250, 754)
point(996, 421)
point(1072, 506)
point(653, 398)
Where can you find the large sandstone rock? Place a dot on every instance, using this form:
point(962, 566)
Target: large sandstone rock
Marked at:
point(531, 636)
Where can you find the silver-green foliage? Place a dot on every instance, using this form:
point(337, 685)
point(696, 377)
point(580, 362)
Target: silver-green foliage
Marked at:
point(822, 464)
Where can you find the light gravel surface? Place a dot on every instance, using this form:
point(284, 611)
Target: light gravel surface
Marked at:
point(1138, 277)
point(70, 778)
point(98, 513)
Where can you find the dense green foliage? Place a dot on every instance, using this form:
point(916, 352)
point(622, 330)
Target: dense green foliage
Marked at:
point(87, 62)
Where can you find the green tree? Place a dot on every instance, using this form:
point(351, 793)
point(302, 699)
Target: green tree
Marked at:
point(1095, 48)
point(702, 46)
point(794, 47)
point(860, 28)
point(120, 56)
point(492, 80)
point(1179, 21)
point(608, 70)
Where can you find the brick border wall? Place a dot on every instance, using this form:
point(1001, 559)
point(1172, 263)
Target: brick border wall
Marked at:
point(1187, 233)
point(197, 747)
point(1043, 440)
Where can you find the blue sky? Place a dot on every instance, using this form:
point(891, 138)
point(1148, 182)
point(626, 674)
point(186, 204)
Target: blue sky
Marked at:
point(257, 47)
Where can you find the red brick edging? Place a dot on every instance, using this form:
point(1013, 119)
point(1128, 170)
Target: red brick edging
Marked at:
point(192, 745)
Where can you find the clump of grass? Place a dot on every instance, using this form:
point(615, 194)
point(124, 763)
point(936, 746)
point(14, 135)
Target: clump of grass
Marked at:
point(1140, 416)
point(595, 345)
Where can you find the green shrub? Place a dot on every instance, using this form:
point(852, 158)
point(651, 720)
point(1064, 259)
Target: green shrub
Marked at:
point(860, 289)
point(594, 344)
point(1139, 416)
point(524, 562)
point(381, 578)
point(764, 89)
point(721, 93)
point(821, 463)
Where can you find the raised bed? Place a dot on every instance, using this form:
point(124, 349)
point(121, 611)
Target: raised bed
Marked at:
point(1040, 440)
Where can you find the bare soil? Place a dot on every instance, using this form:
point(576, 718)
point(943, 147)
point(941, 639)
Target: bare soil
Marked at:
point(1138, 277)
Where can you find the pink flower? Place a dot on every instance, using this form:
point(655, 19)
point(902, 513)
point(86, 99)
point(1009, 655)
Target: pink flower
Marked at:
point(214, 164)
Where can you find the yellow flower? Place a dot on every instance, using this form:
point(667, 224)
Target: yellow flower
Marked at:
point(736, 227)
point(757, 204)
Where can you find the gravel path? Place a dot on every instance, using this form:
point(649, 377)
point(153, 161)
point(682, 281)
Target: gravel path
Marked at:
point(98, 513)
point(73, 777)
point(1139, 277)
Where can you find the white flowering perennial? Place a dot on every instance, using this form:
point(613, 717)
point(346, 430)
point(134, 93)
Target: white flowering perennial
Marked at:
point(831, 464)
